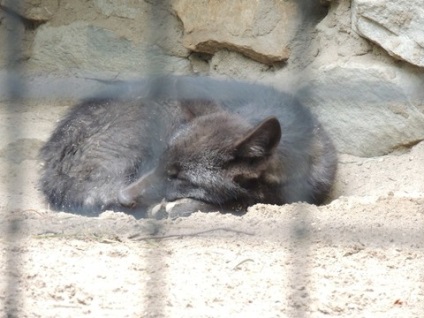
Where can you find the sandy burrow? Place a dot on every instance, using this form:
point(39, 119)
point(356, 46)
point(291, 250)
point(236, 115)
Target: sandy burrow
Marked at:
point(362, 255)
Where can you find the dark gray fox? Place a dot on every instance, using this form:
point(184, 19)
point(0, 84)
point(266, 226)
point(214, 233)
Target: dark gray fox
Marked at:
point(223, 144)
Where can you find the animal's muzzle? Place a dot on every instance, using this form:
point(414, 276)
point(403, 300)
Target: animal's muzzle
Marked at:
point(147, 190)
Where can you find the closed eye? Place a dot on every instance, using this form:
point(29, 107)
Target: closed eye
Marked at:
point(172, 173)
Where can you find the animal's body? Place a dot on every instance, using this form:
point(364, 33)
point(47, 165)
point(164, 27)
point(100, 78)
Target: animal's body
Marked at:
point(228, 145)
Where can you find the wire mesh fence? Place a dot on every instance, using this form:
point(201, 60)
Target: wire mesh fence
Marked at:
point(299, 231)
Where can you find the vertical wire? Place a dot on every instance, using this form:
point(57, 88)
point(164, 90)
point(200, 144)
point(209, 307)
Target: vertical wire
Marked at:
point(299, 273)
point(15, 92)
point(156, 301)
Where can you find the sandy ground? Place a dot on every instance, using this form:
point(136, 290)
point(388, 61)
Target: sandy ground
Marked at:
point(362, 255)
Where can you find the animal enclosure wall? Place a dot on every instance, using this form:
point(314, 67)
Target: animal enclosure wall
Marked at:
point(358, 65)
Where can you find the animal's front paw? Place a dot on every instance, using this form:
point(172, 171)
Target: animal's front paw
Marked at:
point(179, 208)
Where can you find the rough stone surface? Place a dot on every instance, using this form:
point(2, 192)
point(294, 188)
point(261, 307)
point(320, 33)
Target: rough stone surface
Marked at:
point(123, 9)
point(397, 26)
point(368, 108)
point(261, 30)
point(36, 10)
point(81, 46)
point(337, 40)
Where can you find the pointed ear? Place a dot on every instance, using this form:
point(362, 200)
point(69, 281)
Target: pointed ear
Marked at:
point(186, 107)
point(261, 140)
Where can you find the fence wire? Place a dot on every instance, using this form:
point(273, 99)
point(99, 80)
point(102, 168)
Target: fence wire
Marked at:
point(16, 92)
point(15, 88)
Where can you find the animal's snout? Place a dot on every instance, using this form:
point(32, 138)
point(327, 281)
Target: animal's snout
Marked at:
point(145, 191)
point(126, 199)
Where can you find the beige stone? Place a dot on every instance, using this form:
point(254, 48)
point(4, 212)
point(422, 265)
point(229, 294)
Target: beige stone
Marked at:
point(397, 26)
point(261, 30)
point(37, 10)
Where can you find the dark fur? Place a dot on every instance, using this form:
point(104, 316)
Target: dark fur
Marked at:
point(227, 144)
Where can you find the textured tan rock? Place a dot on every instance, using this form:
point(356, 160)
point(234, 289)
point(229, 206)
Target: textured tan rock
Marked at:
point(83, 47)
point(368, 107)
point(261, 30)
point(37, 10)
point(397, 26)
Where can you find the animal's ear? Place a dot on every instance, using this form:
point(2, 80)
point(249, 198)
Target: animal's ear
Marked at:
point(261, 140)
point(187, 110)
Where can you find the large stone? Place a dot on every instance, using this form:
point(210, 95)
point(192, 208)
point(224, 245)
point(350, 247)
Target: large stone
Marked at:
point(369, 108)
point(36, 10)
point(233, 65)
point(152, 22)
point(81, 46)
point(123, 9)
point(261, 30)
point(397, 26)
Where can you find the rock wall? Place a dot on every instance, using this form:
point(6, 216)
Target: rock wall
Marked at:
point(359, 65)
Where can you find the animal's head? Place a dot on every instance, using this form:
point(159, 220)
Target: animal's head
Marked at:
point(217, 158)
